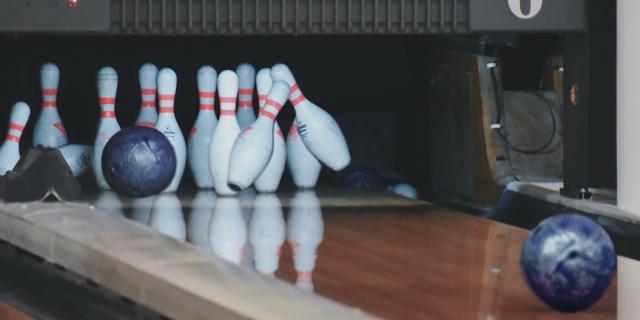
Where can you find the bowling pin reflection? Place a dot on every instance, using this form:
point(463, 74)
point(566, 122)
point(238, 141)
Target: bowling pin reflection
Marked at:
point(247, 196)
point(110, 203)
point(266, 232)
point(141, 209)
point(305, 230)
point(167, 217)
point(200, 218)
point(228, 230)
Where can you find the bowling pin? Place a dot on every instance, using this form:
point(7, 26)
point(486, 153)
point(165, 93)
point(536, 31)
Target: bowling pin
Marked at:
point(202, 131)
point(226, 133)
point(148, 115)
point(253, 148)
point(167, 124)
point(141, 209)
point(246, 81)
point(266, 233)
point(228, 230)
point(10, 150)
point(319, 132)
point(269, 179)
point(246, 197)
point(405, 190)
point(49, 130)
point(108, 124)
point(167, 217)
point(200, 219)
point(305, 230)
point(78, 157)
point(108, 202)
point(304, 167)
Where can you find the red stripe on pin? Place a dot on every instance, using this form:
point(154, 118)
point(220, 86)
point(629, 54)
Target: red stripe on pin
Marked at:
point(274, 104)
point(227, 99)
point(107, 100)
point(227, 112)
point(279, 133)
point(148, 104)
point(60, 126)
point(245, 91)
point(107, 114)
point(49, 92)
point(165, 97)
point(15, 126)
point(262, 97)
point(13, 138)
point(146, 124)
point(206, 106)
point(207, 95)
point(148, 91)
point(295, 102)
point(268, 114)
point(294, 87)
point(48, 104)
point(245, 104)
point(166, 109)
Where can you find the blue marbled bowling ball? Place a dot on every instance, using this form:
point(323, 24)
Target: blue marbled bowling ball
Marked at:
point(362, 177)
point(138, 161)
point(568, 261)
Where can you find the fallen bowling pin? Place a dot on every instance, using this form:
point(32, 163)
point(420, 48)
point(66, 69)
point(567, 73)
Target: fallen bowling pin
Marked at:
point(108, 124)
point(253, 148)
point(269, 179)
point(49, 131)
point(317, 128)
point(78, 157)
point(148, 114)
point(226, 133)
point(304, 167)
point(168, 125)
point(10, 150)
point(246, 81)
point(202, 131)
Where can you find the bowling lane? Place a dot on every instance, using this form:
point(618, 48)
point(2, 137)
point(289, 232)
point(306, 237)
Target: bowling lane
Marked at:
point(391, 257)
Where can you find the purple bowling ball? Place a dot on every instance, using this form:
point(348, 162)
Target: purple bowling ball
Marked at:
point(362, 177)
point(138, 161)
point(568, 261)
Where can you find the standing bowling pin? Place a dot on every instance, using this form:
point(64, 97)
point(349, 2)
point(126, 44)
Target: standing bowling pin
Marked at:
point(49, 130)
point(266, 233)
point(206, 122)
point(305, 231)
point(318, 130)
point(78, 157)
point(226, 133)
point(148, 114)
point(253, 148)
point(167, 124)
point(108, 124)
point(269, 179)
point(246, 80)
point(10, 150)
point(304, 167)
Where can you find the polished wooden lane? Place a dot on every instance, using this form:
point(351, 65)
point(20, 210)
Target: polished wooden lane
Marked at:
point(427, 262)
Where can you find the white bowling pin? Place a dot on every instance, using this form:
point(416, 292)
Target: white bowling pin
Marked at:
point(108, 124)
point(253, 148)
point(148, 114)
point(49, 130)
point(167, 217)
point(226, 133)
point(141, 209)
point(202, 131)
point(200, 219)
point(10, 150)
point(305, 230)
point(266, 232)
point(405, 190)
point(246, 197)
point(304, 167)
point(269, 179)
point(168, 125)
point(109, 203)
point(246, 80)
point(228, 230)
point(78, 157)
point(317, 128)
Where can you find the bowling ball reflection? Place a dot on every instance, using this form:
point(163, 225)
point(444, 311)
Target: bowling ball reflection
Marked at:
point(138, 161)
point(568, 261)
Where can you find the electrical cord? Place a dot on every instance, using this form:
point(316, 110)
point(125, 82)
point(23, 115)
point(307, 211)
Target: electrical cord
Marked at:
point(499, 126)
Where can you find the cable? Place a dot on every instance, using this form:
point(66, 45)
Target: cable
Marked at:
point(499, 125)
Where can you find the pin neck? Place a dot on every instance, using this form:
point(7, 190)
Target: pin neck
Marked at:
point(207, 100)
point(166, 102)
point(146, 124)
point(49, 96)
point(245, 98)
point(271, 109)
point(227, 106)
point(296, 97)
point(107, 104)
point(262, 98)
point(148, 98)
point(15, 132)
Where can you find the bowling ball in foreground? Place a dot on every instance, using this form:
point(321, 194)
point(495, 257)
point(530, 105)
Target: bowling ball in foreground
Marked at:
point(568, 261)
point(138, 161)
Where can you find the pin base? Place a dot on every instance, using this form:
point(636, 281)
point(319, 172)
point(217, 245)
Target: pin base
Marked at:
point(40, 174)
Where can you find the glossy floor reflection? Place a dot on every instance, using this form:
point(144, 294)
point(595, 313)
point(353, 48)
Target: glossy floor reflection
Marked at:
point(389, 256)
